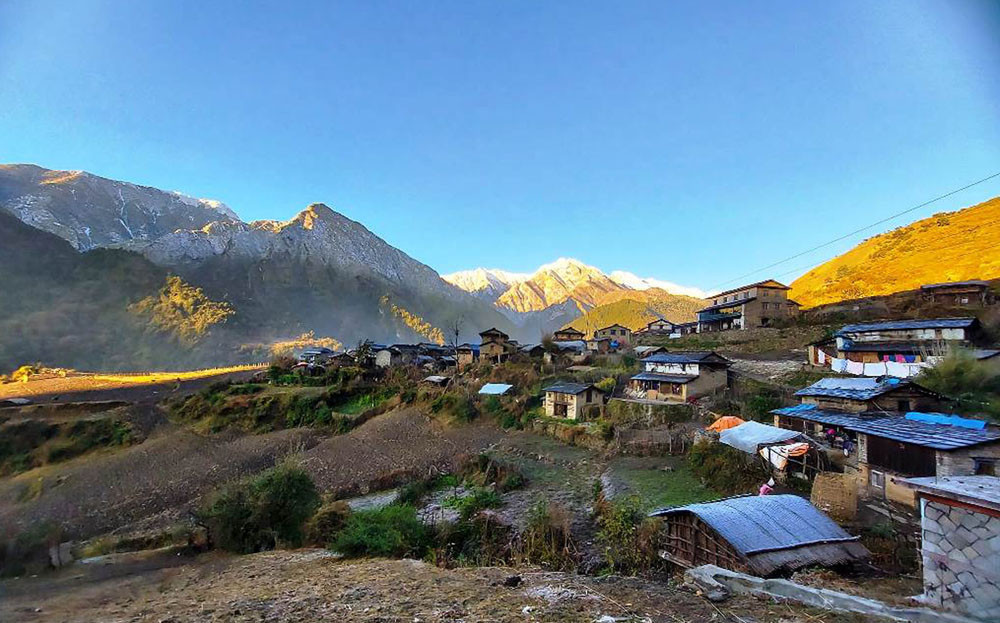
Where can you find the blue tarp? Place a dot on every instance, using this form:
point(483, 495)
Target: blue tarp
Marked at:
point(944, 418)
point(495, 389)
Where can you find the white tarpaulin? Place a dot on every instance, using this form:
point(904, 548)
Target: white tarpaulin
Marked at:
point(750, 435)
point(778, 455)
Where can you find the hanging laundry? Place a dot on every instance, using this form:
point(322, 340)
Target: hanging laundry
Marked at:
point(900, 370)
point(885, 357)
point(875, 369)
point(821, 357)
point(778, 455)
point(900, 359)
point(855, 367)
point(910, 358)
point(838, 364)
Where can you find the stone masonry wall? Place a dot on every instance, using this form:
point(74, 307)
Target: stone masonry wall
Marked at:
point(961, 559)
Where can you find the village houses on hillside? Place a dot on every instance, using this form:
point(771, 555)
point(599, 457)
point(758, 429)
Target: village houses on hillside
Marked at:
point(747, 307)
point(678, 377)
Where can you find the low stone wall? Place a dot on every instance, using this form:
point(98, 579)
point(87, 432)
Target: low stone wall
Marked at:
point(836, 495)
point(961, 558)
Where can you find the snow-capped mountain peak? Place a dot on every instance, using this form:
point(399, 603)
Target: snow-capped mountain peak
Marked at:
point(634, 282)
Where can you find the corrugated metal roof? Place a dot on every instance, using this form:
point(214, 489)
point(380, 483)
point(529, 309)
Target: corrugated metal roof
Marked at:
point(902, 348)
point(664, 378)
point(896, 427)
point(569, 388)
point(982, 490)
point(684, 357)
point(852, 388)
point(749, 436)
point(734, 303)
point(574, 345)
point(902, 325)
point(775, 531)
point(973, 282)
point(495, 389)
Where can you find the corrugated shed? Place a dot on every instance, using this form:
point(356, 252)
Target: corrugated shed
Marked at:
point(854, 388)
point(750, 435)
point(904, 325)
point(686, 357)
point(776, 531)
point(895, 427)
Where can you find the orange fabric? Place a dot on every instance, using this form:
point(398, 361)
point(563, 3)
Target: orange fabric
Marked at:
point(724, 423)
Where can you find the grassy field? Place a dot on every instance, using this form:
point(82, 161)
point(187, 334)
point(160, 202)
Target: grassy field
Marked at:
point(655, 486)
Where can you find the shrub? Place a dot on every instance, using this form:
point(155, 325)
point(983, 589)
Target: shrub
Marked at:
point(468, 505)
point(606, 385)
point(390, 531)
point(973, 384)
point(547, 540)
point(322, 527)
point(265, 512)
point(627, 536)
point(725, 469)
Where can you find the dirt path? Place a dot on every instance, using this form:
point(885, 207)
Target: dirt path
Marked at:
point(311, 585)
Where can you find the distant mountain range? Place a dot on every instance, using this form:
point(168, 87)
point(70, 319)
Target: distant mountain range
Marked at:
point(112, 274)
point(950, 246)
point(319, 272)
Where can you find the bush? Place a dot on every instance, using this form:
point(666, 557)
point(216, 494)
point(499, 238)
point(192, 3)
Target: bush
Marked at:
point(725, 469)
point(627, 536)
point(265, 512)
point(468, 505)
point(607, 384)
point(973, 384)
point(459, 407)
point(547, 539)
point(322, 527)
point(390, 531)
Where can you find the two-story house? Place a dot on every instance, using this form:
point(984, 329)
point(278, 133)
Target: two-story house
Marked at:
point(616, 333)
point(569, 334)
point(910, 341)
point(496, 346)
point(567, 400)
point(756, 305)
point(678, 377)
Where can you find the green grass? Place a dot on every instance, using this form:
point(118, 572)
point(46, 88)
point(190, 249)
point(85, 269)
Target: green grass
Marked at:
point(657, 488)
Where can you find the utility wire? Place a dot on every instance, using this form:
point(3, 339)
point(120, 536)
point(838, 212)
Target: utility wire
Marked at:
point(858, 231)
point(958, 234)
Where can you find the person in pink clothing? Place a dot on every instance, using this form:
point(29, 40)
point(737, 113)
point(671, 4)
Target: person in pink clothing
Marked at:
point(767, 487)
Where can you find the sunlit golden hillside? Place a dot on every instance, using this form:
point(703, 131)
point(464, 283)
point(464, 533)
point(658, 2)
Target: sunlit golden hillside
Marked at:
point(950, 246)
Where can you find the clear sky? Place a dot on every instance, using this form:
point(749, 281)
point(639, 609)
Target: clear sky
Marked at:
point(689, 141)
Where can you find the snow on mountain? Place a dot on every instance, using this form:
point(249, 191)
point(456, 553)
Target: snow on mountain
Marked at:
point(485, 283)
point(631, 280)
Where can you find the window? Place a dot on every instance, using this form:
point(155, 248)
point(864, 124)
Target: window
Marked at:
point(902, 406)
point(985, 467)
point(765, 294)
point(876, 479)
point(965, 300)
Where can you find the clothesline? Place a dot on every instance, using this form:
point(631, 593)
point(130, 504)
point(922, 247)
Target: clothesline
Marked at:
point(889, 366)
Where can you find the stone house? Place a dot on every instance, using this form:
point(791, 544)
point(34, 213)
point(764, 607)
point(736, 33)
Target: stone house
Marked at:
point(910, 340)
point(891, 446)
point(974, 293)
point(960, 544)
point(567, 400)
point(747, 307)
point(679, 377)
point(687, 328)
point(467, 354)
point(660, 326)
point(616, 333)
point(568, 334)
point(600, 346)
point(858, 395)
point(396, 355)
point(496, 346)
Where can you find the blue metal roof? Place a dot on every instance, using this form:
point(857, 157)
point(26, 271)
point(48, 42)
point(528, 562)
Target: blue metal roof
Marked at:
point(569, 388)
point(495, 389)
point(852, 388)
point(684, 357)
point(902, 325)
point(664, 378)
point(765, 523)
point(888, 426)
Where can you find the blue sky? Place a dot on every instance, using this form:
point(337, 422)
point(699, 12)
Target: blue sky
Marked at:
point(691, 142)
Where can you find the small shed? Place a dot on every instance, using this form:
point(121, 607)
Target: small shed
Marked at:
point(495, 389)
point(763, 535)
point(437, 380)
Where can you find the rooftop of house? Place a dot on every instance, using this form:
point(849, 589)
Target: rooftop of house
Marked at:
point(494, 331)
point(574, 345)
point(767, 283)
point(977, 490)
point(700, 356)
point(956, 284)
point(569, 388)
point(857, 388)
point(905, 325)
point(913, 348)
point(898, 427)
point(570, 330)
point(664, 378)
point(775, 531)
point(614, 326)
point(732, 303)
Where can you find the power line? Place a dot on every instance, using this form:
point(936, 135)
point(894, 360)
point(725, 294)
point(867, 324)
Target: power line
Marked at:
point(858, 231)
point(958, 234)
